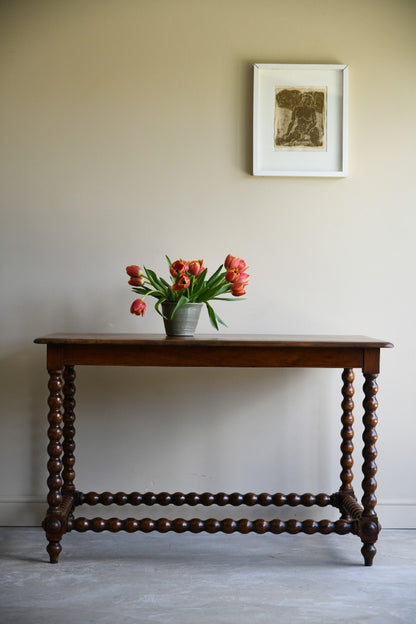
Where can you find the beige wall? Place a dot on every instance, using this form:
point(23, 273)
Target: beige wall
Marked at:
point(125, 135)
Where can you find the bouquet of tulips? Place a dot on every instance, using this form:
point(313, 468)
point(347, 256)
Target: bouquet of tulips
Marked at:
point(189, 284)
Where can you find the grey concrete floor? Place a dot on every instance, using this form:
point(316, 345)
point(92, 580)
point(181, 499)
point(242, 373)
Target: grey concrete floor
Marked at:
point(206, 579)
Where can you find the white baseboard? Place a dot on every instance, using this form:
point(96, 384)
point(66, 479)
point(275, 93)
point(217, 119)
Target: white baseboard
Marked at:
point(22, 510)
point(30, 511)
point(397, 513)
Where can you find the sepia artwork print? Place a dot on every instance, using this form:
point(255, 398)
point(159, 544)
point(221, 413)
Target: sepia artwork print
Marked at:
point(300, 119)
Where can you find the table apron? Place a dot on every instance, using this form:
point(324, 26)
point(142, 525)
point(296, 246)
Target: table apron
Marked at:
point(182, 356)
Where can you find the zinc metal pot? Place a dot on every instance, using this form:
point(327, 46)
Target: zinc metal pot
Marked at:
point(185, 320)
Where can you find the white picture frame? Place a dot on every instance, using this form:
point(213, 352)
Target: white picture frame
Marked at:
point(300, 120)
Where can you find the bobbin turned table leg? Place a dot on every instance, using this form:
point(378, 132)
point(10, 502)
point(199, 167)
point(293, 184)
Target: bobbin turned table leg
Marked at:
point(368, 525)
point(347, 435)
point(345, 499)
point(53, 524)
point(68, 458)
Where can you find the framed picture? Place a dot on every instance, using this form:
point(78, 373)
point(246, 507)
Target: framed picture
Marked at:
point(300, 120)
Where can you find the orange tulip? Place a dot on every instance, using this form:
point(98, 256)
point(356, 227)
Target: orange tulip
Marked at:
point(182, 283)
point(232, 275)
point(177, 268)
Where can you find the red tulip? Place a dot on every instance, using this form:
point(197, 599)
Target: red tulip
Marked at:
point(243, 279)
point(136, 281)
point(233, 262)
point(138, 307)
point(177, 268)
point(196, 267)
point(134, 271)
point(229, 259)
point(232, 275)
point(182, 283)
point(238, 289)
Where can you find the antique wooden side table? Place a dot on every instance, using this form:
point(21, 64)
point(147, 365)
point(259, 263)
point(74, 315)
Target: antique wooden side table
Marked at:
point(65, 351)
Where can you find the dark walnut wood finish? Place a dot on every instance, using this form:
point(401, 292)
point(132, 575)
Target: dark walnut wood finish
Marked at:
point(65, 351)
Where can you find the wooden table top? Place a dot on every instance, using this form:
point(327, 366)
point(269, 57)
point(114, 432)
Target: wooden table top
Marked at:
point(216, 340)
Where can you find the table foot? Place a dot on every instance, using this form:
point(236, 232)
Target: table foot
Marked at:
point(54, 549)
point(54, 530)
point(368, 530)
point(56, 525)
point(368, 551)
